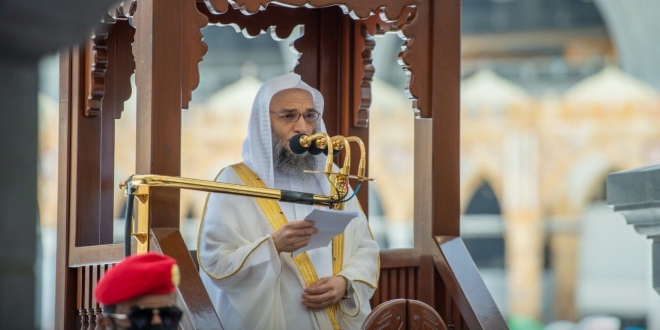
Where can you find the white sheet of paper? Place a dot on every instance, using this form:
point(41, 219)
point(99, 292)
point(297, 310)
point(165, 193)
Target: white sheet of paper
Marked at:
point(330, 223)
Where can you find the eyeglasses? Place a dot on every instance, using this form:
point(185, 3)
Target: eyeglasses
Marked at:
point(140, 316)
point(291, 117)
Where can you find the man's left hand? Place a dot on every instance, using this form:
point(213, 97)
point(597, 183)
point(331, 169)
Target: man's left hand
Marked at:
point(325, 292)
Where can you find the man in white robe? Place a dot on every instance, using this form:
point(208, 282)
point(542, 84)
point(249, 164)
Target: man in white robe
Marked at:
point(244, 243)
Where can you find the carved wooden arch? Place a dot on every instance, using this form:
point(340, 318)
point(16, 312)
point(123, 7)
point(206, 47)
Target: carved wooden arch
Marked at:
point(111, 44)
point(110, 84)
point(399, 15)
point(283, 20)
point(357, 9)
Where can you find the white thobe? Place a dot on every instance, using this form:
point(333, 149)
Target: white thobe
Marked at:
point(252, 286)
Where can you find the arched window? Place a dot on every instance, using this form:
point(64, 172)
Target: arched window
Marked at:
point(482, 228)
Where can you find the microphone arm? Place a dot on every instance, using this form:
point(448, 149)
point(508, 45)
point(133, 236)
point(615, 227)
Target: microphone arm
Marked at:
point(139, 186)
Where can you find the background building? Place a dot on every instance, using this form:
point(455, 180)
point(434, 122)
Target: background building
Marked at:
point(556, 93)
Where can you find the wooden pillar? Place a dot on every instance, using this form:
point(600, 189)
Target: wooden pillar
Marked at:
point(65, 285)
point(432, 55)
point(329, 62)
point(158, 61)
point(91, 161)
point(445, 105)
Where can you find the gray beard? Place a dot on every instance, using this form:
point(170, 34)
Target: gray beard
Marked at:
point(286, 162)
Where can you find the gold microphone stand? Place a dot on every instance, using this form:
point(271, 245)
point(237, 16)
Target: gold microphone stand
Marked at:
point(139, 187)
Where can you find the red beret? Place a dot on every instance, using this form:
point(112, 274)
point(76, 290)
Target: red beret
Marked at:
point(143, 274)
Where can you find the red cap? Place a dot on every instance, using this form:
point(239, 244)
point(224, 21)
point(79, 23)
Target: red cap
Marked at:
point(138, 275)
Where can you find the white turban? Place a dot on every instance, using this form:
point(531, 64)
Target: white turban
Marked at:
point(258, 145)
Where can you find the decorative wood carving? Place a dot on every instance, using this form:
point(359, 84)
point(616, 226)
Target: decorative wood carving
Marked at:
point(98, 67)
point(422, 316)
point(193, 49)
point(124, 10)
point(191, 39)
point(217, 6)
point(363, 73)
point(307, 40)
point(363, 67)
point(388, 315)
point(378, 24)
point(415, 59)
point(283, 20)
point(88, 308)
point(91, 318)
point(357, 9)
point(403, 314)
point(111, 45)
point(98, 312)
point(121, 65)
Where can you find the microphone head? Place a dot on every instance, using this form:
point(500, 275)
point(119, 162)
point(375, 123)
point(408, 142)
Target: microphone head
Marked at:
point(295, 145)
point(325, 152)
point(314, 150)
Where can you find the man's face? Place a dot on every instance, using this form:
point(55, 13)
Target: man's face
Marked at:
point(148, 301)
point(286, 104)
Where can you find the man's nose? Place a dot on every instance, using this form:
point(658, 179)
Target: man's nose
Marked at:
point(156, 319)
point(300, 125)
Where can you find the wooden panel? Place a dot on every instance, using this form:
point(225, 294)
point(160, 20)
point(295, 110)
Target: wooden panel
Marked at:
point(398, 258)
point(65, 293)
point(400, 314)
point(86, 159)
point(330, 66)
point(157, 53)
point(98, 254)
point(445, 104)
point(416, 59)
point(390, 315)
point(192, 294)
point(91, 221)
point(107, 163)
point(423, 174)
point(307, 45)
point(396, 283)
point(423, 243)
point(465, 286)
point(422, 316)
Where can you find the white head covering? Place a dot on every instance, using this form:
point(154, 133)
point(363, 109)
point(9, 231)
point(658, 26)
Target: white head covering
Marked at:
point(258, 145)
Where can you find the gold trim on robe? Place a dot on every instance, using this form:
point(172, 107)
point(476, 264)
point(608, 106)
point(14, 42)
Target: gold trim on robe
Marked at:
point(276, 218)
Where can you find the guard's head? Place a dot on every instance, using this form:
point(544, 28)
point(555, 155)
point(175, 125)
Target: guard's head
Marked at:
point(138, 293)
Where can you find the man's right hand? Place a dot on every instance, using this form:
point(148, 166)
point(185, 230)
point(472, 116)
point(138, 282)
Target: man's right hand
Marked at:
point(294, 235)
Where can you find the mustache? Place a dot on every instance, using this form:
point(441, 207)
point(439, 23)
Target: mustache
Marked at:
point(286, 162)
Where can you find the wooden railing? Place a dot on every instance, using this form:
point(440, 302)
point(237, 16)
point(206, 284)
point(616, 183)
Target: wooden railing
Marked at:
point(461, 298)
point(87, 307)
point(463, 303)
